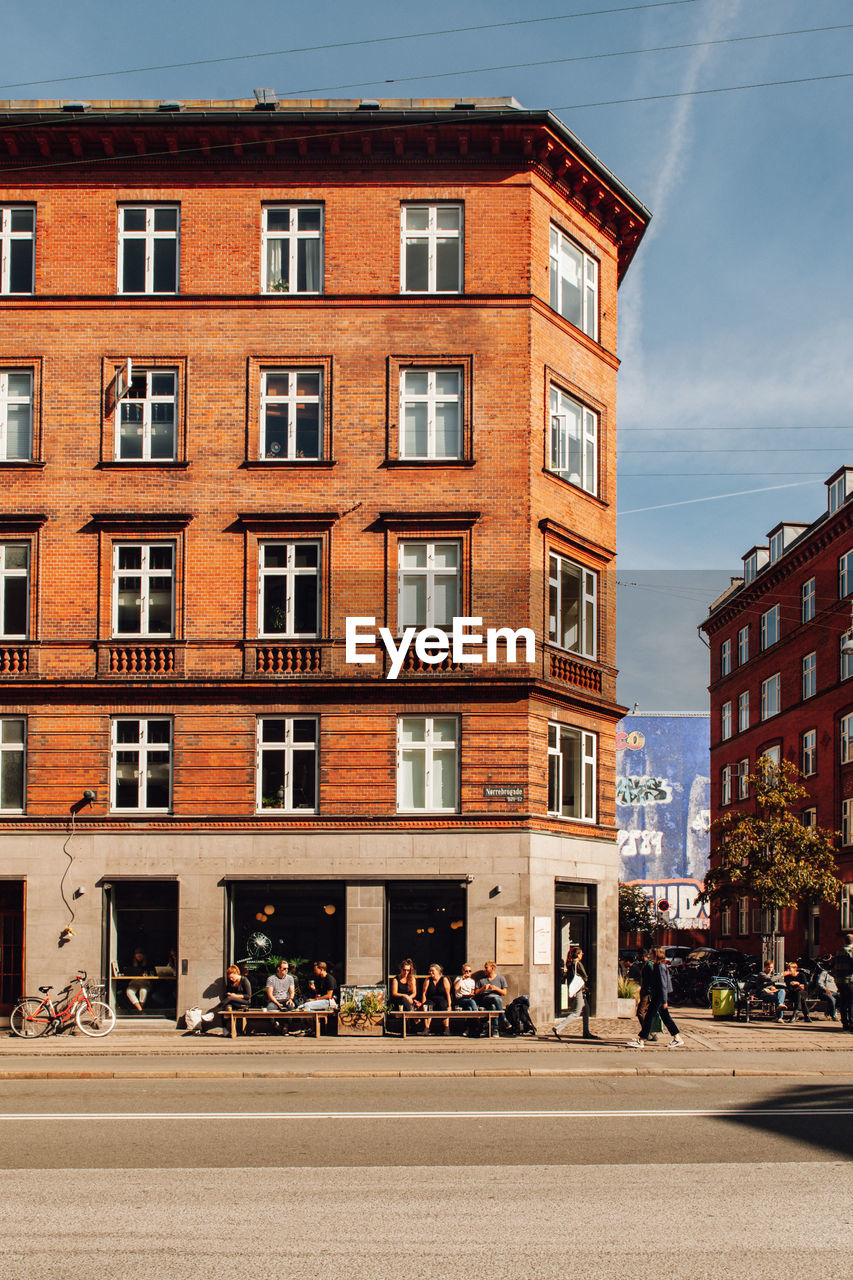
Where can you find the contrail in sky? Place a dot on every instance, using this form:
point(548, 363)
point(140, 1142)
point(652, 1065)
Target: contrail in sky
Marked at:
point(716, 497)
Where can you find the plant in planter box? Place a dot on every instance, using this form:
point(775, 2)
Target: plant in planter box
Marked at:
point(361, 1011)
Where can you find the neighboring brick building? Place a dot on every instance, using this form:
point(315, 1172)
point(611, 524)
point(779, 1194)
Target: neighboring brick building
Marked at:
point(781, 668)
point(264, 368)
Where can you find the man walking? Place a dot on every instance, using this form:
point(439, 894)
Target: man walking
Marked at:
point(843, 970)
point(659, 993)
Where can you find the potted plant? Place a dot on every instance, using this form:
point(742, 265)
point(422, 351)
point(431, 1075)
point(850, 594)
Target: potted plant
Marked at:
point(627, 991)
point(361, 1011)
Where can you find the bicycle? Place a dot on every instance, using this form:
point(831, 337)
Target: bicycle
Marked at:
point(32, 1017)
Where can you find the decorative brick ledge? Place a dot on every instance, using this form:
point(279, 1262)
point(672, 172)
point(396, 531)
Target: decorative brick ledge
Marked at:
point(577, 673)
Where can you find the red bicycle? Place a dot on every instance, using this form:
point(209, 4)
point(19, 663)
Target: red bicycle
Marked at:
point(32, 1017)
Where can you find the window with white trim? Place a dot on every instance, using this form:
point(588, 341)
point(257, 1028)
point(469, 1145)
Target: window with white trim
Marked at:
point(287, 763)
point(571, 773)
point(743, 711)
point(292, 259)
point(725, 922)
point(771, 690)
point(573, 447)
point(809, 817)
point(17, 248)
point(146, 420)
point(770, 627)
point(573, 283)
point(743, 645)
point(846, 921)
point(141, 759)
point(846, 658)
point(836, 493)
point(808, 597)
point(725, 658)
point(726, 784)
point(427, 764)
point(847, 821)
point(572, 592)
point(143, 589)
point(845, 575)
point(16, 415)
point(431, 413)
point(429, 583)
point(809, 675)
point(846, 730)
point(726, 721)
point(148, 243)
point(291, 414)
point(777, 545)
point(289, 589)
point(742, 775)
point(767, 764)
point(431, 244)
point(750, 568)
point(808, 753)
point(743, 916)
point(13, 763)
point(14, 590)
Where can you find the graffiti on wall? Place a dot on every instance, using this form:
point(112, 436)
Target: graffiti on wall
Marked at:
point(643, 791)
point(685, 912)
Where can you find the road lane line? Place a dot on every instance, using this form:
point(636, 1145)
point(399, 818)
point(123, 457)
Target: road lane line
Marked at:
point(372, 1116)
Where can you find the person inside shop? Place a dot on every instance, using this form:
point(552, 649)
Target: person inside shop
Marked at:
point(137, 992)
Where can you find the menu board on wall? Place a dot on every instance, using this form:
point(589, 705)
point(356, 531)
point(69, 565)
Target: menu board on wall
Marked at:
point(542, 940)
point(509, 940)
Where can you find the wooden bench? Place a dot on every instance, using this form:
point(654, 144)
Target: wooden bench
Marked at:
point(276, 1015)
point(438, 1015)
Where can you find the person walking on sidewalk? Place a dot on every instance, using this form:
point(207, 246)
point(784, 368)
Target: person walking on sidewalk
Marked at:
point(843, 970)
point(579, 1001)
point(659, 993)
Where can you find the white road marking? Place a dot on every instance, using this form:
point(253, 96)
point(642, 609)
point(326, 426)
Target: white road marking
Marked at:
point(676, 1113)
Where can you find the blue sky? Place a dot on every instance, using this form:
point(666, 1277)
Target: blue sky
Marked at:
point(736, 321)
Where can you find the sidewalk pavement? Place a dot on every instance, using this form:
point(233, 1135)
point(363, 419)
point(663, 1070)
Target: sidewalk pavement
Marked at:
point(155, 1050)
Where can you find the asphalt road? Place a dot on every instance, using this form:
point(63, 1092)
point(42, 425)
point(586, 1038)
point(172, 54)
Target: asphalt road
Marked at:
point(312, 1180)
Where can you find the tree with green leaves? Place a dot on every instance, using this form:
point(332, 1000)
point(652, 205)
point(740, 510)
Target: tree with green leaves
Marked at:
point(636, 910)
point(767, 854)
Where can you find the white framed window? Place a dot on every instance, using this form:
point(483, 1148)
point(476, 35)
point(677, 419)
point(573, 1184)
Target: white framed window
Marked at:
point(726, 721)
point(572, 594)
point(14, 590)
point(143, 589)
point(428, 764)
point(743, 916)
point(808, 597)
point(808, 753)
point(725, 658)
point(148, 248)
point(770, 627)
point(291, 414)
point(771, 696)
point(809, 817)
point(572, 773)
point(809, 675)
point(573, 447)
point(17, 248)
point(777, 545)
point(836, 493)
point(13, 763)
point(429, 583)
point(750, 568)
point(141, 759)
point(743, 711)
point(146, 420)
point(743, 645)
point(16, 415)
point(845, 575)
point(726, 922)
point(742, 775)
point(847, 822)
point(846, 657)
point(431, 413)
point(573, 283)
point(846, 728)
point(292, 257)
point(726, 784)
point(846, 921)
point(431, 248)
point(287, 763)
point(289, 589)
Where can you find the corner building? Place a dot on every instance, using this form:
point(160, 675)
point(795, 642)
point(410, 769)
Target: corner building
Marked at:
point(266, 367)
point(782, 687)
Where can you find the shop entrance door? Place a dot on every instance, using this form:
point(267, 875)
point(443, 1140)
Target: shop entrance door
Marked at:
point(11, 943)
point(142, 947)
point(575, 927)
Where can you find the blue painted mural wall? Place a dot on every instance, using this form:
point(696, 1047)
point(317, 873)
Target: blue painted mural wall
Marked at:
point(663, 809)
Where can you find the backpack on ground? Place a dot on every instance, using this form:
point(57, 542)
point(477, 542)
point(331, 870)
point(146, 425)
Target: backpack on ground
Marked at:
point(518, 1017)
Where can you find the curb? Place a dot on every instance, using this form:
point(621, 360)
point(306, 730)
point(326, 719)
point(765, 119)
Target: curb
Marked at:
point(404, 1073)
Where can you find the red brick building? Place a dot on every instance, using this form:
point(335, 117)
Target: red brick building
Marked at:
point(781, 668)
point(265, 368)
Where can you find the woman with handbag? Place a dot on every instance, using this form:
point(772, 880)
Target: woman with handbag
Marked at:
point(578, 979)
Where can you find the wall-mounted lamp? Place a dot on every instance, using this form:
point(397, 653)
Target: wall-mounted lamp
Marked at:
point(469, 879)
point(89, 796)
point(493, 893)
point(79, 891)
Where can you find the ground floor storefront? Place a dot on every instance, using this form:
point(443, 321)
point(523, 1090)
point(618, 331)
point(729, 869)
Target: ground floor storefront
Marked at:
point(157, 915)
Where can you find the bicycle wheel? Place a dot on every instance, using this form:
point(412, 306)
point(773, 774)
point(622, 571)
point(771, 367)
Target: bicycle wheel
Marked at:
point(29, 1019)
point(96, 1018)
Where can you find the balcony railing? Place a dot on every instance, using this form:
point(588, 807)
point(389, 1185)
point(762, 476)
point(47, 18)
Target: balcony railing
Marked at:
point(573, 672)
point(14, 660)
point(137, 660)
point(288, 659)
